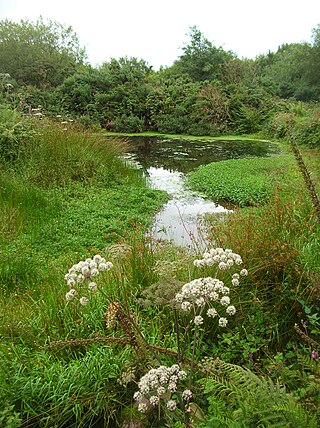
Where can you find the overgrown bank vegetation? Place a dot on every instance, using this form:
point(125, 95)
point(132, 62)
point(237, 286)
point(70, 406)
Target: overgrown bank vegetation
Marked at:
point(136, 335)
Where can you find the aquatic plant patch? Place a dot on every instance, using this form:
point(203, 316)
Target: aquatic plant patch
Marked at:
point(243, 182)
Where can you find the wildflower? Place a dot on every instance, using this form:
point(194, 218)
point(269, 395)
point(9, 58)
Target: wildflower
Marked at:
point(92, 286)
point(211, 312)
point(223, 266)
point(82, 272)
point(171, 405)
point(231, 310)
point(186, 395)
point(225, 301)
point(84, 301)
point(313, 354)
point(154, 400)
point(142, 407)
point(198, 320)
point(244, 272)
point(223, 322)
point(71, 294)
point(159, 384)
point(186, 306)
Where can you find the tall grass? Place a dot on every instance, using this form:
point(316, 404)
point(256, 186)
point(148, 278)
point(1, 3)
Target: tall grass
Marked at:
point(58, 156)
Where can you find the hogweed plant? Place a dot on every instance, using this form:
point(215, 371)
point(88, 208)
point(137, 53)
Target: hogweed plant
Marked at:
point(200, 301)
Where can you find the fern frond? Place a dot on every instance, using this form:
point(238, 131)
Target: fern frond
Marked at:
point(254, 400)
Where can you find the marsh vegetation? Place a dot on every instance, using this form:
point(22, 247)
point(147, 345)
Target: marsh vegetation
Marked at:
point(99, 328)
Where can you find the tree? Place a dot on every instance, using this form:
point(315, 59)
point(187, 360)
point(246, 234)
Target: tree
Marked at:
point(201, 60)
point(40, 54)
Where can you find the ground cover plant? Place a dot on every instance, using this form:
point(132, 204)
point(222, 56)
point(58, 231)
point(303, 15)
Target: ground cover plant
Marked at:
point(243, 182)
point(89, 350)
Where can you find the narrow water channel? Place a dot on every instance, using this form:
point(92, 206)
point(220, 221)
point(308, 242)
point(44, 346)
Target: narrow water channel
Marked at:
point(165, 163)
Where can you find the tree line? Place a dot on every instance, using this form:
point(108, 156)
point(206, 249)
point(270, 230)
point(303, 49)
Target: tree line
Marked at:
point(206, 91)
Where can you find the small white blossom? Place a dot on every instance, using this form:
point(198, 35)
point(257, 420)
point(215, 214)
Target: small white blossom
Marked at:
point(172, 387)
point(231, 310)
point(235, 282)
point(142, 407)
point(171, 405)
point(92, 286)
point(211, 312)
point(154, 400)
point(198, 320)
point(223, 266)
point(225, 301)
point(84, 301)
point(244, 272)
point(223, 322)
point(186, 395)
point(186, 306)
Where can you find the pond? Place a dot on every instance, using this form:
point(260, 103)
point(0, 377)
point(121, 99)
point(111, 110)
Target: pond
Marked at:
point(166, 162)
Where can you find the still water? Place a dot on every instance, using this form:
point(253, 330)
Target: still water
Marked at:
point(165, 163)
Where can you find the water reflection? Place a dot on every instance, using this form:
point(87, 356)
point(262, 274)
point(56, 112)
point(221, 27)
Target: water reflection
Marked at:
point(186, 155)
point(180, 219)
point(165, 163)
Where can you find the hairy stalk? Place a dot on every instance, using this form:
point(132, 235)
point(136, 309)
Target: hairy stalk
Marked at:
point(79, 342)
point(122, 315)
point(306, 176)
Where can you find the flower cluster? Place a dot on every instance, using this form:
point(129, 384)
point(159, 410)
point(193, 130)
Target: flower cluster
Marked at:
point(225, 259)
point(81, 274)
point(201, 292)
point(209, 293)
point(159, 385)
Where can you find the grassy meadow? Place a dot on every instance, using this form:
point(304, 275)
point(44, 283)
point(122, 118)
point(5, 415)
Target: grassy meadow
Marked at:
point(76, 360)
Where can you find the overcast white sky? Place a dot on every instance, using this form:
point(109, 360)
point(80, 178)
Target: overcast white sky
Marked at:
point(155, 30)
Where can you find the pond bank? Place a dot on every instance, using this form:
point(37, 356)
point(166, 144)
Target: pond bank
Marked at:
point(166, 162)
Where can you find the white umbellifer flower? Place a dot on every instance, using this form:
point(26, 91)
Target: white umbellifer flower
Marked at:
point(182, 374)
point(223, 322)
point(84, 301)
point(159, 384)
point(154, 400)
point(200, 301)
point(198, 263)
point(80, 278)
point(93, 264)
point(92, 286)
point(230, 263)
point(198, 320)
point(186, 306)
point(231, 310)
point(211, 312)
point(71, 294)
point(105, 266)
point(235, 276)
point(186, 395)
point(171, 405)
point(94, 272)
point(160, 391)
point(235, 282)
point(244, 272)
point(137, 396)
point(85, 271)
point(225, 301)
point(172, 387)
point(71, 282)
point(223, 266)
point(142, 407)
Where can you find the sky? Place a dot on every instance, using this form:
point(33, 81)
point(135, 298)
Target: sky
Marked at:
point(157, 30)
